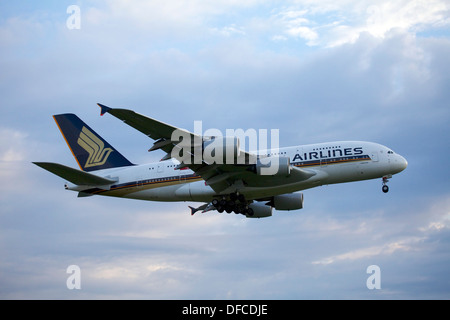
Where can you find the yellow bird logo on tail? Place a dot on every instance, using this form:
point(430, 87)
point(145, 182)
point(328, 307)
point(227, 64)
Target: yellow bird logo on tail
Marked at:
point(98, 154)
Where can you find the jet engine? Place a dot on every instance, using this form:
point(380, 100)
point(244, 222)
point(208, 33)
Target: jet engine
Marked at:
point(258, 210)
point(288, 201)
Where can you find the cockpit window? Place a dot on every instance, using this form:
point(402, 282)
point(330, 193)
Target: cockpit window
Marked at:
point(391, 152)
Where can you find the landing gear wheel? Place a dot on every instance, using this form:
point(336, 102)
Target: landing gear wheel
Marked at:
point(385, 188)
point(239, 209)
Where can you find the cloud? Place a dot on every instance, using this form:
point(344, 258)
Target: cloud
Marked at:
point(406, 15)
point(12, 145)
point(14, 151)
point(228, 31)
point(295, 25)
point(439, 217)
point(422, 228)
point(174, 19)
point(371, 252)
point(330, 24)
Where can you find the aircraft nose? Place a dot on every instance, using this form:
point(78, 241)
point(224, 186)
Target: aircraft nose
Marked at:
point(404, 163)
point(400, 164)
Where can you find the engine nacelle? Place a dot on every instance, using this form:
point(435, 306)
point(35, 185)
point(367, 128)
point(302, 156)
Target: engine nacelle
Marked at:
point(221, 149)
point(288, 201)
point(258, 210)
point(273, 166)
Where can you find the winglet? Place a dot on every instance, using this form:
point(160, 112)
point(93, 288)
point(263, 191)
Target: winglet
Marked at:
point(103, 109)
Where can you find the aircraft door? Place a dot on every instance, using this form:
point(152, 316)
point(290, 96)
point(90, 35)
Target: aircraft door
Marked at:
point(182, 177)
point(140, 177)
point(374, 156)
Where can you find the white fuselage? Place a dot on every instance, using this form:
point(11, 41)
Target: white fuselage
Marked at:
point(332, 162)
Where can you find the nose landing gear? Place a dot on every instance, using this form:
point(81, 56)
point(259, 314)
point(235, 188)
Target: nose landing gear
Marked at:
point(385, 188)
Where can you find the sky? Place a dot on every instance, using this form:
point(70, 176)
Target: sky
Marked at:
point(317, 70)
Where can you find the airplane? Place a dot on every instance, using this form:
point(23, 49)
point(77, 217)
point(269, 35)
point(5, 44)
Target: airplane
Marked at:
point(239, 185)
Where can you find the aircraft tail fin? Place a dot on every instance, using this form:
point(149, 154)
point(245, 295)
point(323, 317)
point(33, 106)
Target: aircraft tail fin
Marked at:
point(90, 150)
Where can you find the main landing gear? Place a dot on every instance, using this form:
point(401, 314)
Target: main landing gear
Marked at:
point(385, 188)
point(236, 204)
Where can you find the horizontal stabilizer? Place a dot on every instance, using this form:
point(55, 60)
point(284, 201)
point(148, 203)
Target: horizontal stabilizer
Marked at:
point(82, 194)
point(75, 176)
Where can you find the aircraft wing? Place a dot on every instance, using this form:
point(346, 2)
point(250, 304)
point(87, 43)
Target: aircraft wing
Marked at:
point(157, 130)
point(220, 177)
